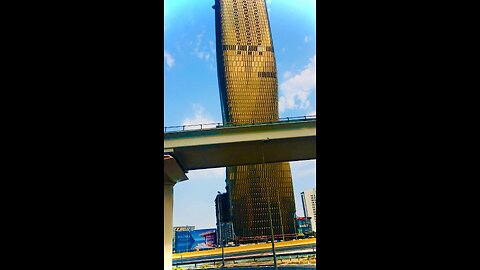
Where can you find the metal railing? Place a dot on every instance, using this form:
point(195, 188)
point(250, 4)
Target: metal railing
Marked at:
point(231, 124)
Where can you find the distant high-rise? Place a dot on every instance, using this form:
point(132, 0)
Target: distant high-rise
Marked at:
point(224, 219)
point(247, 78)
point(309, 201)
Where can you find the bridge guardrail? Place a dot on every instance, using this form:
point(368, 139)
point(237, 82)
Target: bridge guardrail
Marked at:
point(230, 124)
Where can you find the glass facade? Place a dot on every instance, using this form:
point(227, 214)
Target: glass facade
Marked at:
point(248, 85)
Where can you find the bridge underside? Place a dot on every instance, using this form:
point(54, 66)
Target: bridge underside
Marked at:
point(245, 153)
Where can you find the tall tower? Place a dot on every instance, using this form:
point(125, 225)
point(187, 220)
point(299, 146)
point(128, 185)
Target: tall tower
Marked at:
point(309, 201)
point(247, 78)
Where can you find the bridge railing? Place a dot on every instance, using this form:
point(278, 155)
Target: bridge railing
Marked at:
point(230, 124)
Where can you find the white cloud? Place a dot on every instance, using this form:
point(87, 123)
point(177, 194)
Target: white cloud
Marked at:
point(199, 38)
point(202, 52)
point(287, 74)
point(169, 58)
point(199, 117)
point(202, 55)
point(268, 1)
point(314, 112)
point(296, 89)
point(307, 39)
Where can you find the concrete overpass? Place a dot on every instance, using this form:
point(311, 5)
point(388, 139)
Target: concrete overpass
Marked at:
point(222, 146)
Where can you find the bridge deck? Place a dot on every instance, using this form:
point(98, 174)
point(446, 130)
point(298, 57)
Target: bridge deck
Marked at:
point(242, 145)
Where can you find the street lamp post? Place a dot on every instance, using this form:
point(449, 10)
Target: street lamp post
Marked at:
point(295, 225)
point(220, 228)
point(271, 231)
point(270, 215)
point(280, 213)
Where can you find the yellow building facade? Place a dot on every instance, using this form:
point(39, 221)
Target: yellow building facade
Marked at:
point(248, 85)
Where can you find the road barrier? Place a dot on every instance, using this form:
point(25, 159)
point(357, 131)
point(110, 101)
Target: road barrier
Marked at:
point(232, 124)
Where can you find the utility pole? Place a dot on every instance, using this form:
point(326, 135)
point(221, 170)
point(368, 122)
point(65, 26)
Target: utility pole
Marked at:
point(295, 225)
point(270, 214)
point(280, 212)
point(220, 227)
point(271, 231)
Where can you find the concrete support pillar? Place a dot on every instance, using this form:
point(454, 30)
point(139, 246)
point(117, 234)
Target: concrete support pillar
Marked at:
point(168, 224)
point(173, 173)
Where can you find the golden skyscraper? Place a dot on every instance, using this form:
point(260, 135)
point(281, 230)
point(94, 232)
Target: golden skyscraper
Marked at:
point(248, 85)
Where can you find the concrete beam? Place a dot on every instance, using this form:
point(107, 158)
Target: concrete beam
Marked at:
point(242, 145)
point(173, 172)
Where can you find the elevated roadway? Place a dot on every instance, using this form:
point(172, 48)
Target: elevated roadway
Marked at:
point(224, 146)
point(242, 145)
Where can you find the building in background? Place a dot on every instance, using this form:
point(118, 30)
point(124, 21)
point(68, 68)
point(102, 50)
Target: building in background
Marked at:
point(224, 219)
point(309, 201)
point(248, 84)
point(304, 226)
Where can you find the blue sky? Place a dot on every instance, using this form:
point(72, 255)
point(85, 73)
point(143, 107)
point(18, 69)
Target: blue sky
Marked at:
point(191, 89)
